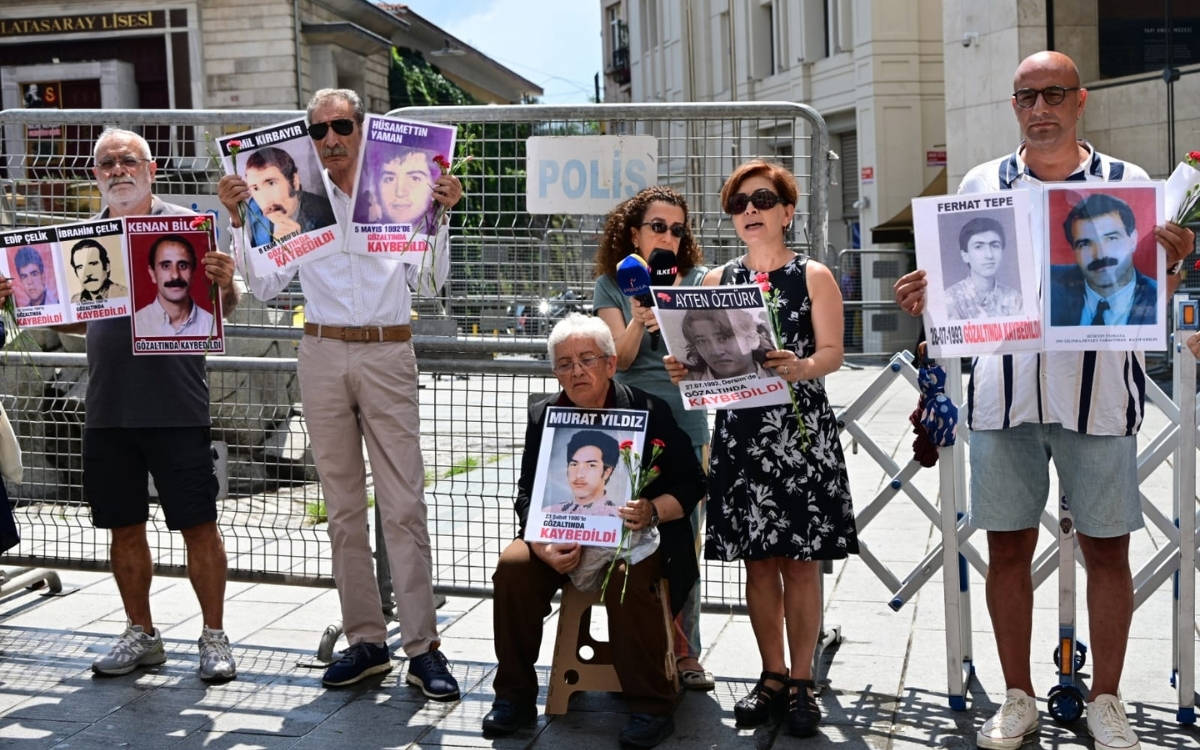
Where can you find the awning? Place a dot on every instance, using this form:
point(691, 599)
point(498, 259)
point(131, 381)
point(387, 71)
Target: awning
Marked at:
point(899, 228)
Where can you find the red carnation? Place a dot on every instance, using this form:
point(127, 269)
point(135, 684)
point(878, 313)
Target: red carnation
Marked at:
point(657, 443)
point(442, 162)
point(234, 146)
point(663, 296)
point(627, 445)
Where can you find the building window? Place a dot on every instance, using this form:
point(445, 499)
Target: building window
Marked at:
point(762, 31)
point(649, 24)
point(725, 44)
point(618, 47)
point(1133, 39)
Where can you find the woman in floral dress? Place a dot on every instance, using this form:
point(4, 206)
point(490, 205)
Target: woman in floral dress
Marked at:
point(779, 494)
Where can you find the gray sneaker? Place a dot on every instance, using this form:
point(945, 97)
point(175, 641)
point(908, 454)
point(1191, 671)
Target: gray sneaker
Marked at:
point(216, 657)
point(133, 649)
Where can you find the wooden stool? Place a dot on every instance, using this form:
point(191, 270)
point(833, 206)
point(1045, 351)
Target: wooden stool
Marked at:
point(571, 672)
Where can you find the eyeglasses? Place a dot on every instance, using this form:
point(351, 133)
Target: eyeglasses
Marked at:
point(1051, 95)
point(762, 199)
point(341, 126)
point(658, 226)
point(129, 162)
point(567, 367)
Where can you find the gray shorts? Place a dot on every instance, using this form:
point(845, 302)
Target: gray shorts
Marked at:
point(1010, 478)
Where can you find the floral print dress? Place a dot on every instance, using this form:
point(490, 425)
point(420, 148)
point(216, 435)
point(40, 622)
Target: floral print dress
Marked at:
point(768, 497)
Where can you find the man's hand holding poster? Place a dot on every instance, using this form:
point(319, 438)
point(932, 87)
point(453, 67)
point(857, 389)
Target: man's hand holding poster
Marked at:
point(580, 482)
point(288, 220)
point(1105, 282)
point(981, 271)
point(395, 215)
point(176, 309)
point(722, 335)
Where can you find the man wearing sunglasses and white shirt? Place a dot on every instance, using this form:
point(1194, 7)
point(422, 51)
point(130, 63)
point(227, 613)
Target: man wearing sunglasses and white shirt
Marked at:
point(358, 379)
point(1084, 408)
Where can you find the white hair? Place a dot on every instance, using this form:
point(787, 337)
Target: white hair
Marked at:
point(350, 96)
point(578, 324)
point(142, 144)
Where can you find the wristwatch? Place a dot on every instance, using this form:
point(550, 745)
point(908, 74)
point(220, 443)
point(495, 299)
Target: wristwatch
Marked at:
point(1175, 269)
point(653, 516)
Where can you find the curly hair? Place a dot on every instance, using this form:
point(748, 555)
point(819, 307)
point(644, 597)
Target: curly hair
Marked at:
point(616, 243)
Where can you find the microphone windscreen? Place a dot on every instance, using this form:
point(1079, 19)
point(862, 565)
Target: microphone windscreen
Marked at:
point(663, 267)
point(633, 277)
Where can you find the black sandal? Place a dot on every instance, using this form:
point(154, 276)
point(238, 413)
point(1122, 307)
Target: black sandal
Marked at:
point(762, 701)
point(803, 714)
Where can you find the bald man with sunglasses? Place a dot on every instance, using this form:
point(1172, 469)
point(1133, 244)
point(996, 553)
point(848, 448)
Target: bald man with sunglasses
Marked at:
point(358, 381)
point(1084, 408)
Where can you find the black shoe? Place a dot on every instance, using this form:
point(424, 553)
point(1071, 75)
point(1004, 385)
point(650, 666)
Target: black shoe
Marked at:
point(803, 714)
point(431, 673)
point(505, 718)
point(647, 730)
point(762, 702)
point(359, 661)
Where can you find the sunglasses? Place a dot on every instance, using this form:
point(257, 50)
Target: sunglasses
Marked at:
point(1051, 95)
point(762, 199)
point(658, 226)
point(343, 126)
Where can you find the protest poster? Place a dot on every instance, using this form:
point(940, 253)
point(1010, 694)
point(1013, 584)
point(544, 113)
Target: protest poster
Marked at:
point(394, 212)
point(288, 219)
point(581, 481)
point(982, 273)
point(722, 334)
point(98, 281)
point(30, 261)
point(1104, 285)
point(177, 310)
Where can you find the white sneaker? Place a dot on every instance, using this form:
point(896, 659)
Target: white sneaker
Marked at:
point(1012, 725)
point(134, 648)
point(1108, 725)
point(216, 658)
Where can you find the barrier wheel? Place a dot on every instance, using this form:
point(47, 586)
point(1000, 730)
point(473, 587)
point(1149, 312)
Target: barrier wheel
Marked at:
point(1065, 703)
point(1080, 656)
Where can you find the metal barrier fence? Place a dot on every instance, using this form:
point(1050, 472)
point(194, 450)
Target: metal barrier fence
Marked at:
point(475, 389)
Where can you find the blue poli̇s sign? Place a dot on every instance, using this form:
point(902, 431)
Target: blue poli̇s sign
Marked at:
point(587, 174)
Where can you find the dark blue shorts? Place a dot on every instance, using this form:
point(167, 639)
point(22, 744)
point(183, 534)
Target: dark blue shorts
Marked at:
point(115, 466)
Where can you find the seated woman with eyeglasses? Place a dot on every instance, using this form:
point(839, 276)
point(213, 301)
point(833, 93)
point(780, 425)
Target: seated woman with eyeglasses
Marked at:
point(780, 495)
point(657, 217)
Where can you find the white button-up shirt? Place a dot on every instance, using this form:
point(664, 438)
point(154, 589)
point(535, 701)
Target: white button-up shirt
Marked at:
point(347, 289)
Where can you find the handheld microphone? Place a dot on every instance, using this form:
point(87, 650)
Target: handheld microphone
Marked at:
point(663, 267)
point(633, 278)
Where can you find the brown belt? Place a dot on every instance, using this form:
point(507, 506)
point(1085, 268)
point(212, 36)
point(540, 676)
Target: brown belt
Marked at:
point(362, 334)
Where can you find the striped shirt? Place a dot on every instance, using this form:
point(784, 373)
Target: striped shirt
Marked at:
point(1095, 392)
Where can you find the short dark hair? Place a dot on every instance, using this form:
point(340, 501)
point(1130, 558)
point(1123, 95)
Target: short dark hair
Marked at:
point(979, 225)
point(273, 157)
point(168, 239)
point(27, 256)
point(86, 244)
point(1096, 205)
point(609, 450)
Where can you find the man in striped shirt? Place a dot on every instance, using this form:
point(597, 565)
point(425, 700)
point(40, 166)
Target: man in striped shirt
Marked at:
point(1082, 408)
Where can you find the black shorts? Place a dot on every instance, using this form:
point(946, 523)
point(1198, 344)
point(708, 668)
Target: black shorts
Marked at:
point(115, 466)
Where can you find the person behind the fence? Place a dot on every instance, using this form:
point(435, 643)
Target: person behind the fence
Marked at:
point(1102, 286)
point(591, 459)
point(528, 574)
point(93, 269)
point(274, 181)
point(655, 218)
point(980, 295)
point(358, 380)
point(1084, 408)
point(779, 497)
point(172, 312)
point(724, 344)
point(31, 271)
point(123, 439)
